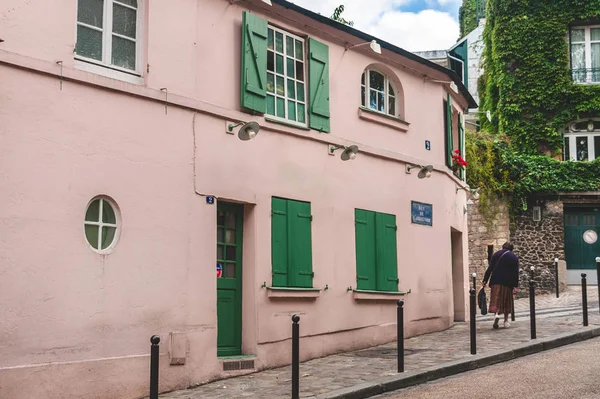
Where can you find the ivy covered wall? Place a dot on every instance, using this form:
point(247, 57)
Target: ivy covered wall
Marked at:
point(527, 84)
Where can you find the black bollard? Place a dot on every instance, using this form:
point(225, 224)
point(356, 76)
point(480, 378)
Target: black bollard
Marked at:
point(154, 354)
point(598, 277)
point(556, 275)
point(400, 336)
point(295, 357)
point(584, 298)
point(474, 281)
point(512, 308)
point(532, 308)
point(473, 313)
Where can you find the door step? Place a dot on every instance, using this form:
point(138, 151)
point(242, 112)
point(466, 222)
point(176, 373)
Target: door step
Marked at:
point(238, 364)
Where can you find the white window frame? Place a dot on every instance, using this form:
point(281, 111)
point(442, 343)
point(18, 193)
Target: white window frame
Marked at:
point(386, 95)
point(588, 53)
point(105, 67)
point(572, 134)
point(101, 224)
point(285, 77)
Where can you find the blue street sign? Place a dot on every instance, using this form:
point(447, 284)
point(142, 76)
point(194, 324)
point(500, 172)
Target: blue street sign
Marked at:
point(210, 200)
point(422, 213)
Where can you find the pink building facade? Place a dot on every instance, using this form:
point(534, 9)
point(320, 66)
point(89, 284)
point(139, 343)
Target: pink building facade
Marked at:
point(130, 206)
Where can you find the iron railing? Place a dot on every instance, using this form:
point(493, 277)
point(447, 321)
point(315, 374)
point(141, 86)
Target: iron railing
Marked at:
point(586, 75)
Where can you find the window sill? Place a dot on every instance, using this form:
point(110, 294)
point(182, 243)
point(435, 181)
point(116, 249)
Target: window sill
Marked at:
point(382, 119)
point(285, 123)
point(107, 72)
point(293, 292)
point(366, 295)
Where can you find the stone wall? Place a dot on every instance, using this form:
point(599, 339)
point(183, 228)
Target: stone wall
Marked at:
point(484, 233)
point(538, 243)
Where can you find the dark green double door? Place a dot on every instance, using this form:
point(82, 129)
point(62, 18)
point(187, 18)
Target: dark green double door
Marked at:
point(579, 254)
point(229, 285)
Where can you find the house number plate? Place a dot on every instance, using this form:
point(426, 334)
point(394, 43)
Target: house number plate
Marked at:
point(590, 236)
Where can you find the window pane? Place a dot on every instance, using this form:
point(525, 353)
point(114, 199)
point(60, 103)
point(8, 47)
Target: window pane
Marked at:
point(577, 35)
point(220, 235)
point(362, 96)
point(300, 71)
point(373, 99)
point(567, 150)
point(578, 62)
point(124, 21)
point(362, 79)
point(289, 46)
point(279, 64)
point(91, 233)
point(108, 234)
point(595, 62)
point(595, 33)
point(392, 107)
point(270, 105)
point(93, 212)
point(123, 53)
point(230, 236)
point(230, 220)
point(278, 42)
point(270, 83)
point(280, 88)
point(229, 271)
point(299, 50)
point(108, 213)
point(391, 91)
point(220, 252)
point(291, 89)
point(132, 3)
point(376, 80)
point(290, 67)
point(300, 92)
point(291, 110)
point(270, 61)
point(89, 43)
point(281, 107)
point(270, 40)
point(91, 12)
point(582, 148)
point(596, 147)
point(302, 114)
point(381, 102)
point(221, 218)
point(230, 253)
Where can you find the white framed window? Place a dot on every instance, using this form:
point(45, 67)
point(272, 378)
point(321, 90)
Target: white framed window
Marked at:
point(109, 35)
point(101, 224)
point(286, 76)
point(377, 93)
point(585, 54)
point(582, 141)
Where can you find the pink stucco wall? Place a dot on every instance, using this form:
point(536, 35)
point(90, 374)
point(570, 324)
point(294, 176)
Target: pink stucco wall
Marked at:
point(76, 324)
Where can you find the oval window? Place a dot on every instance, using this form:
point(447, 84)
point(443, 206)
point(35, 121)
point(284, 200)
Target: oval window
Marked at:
point(101, 224)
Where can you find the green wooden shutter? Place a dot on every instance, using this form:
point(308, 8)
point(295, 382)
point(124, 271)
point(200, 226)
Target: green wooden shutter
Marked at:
point(387, 256)
point(279, 242)
point(448, 126)
point(318, 85)
point(254, 63)
point(365, 250)
point(461, 142)
point(300, 244)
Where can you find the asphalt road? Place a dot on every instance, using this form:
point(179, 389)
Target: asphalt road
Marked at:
point(569, 372)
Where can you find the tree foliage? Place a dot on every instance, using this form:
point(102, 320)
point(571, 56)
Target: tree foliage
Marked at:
point(337, 16)
point(467, 17)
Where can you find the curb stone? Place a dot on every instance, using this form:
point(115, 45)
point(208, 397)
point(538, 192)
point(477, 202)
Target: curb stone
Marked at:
point(412, 378)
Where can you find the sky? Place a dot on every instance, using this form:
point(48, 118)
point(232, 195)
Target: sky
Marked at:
point(414, 25)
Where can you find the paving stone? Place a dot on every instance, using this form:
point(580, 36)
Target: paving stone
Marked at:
point(320, 376)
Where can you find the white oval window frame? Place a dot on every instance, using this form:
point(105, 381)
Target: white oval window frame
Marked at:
point(117, 211)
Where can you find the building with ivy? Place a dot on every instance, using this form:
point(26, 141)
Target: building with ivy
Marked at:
point(540, 151)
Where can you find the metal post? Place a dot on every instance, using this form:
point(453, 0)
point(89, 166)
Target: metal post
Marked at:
point(556, 276)
point(154, 354)
point(474, 280)
point(584, 298)
point(400, 336)
point(512, 307)
point(473, 332)
point(295, 357)
point(598, 277)
point(532, 308)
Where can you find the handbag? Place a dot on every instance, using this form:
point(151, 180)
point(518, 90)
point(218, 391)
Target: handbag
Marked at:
point(481, 298)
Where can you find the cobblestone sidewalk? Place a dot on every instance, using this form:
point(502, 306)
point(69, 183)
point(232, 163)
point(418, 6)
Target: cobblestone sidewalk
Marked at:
point(334, 372)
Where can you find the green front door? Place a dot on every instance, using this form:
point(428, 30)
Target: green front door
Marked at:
point(579, 254)
point(229, 284)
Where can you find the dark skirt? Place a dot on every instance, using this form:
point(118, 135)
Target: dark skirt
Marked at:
point(501, 299)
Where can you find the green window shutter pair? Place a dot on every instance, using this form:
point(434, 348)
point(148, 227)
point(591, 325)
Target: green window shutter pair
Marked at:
point(254, 73)
point(291, 243)
point(376, 251)
point(448, 128)
point(461, 142)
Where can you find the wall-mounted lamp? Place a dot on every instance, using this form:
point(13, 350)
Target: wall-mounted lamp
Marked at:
point(349, 152)
point(246, 132)
point(373, 44)
point(1, 40)
point(424, 173)
point(473, 193)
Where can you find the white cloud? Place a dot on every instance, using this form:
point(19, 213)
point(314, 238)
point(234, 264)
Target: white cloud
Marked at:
point(425, 30)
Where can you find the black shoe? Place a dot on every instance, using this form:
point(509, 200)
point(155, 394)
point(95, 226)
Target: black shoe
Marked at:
point(496, 321)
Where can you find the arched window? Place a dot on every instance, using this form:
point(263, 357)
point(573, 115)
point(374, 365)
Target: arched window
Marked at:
point(378, 93)
point(582, 140)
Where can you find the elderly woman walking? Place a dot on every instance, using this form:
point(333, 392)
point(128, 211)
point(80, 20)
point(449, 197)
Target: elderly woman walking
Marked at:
point(504, 272)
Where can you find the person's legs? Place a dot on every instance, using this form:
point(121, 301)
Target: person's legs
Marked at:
point(496, 320)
